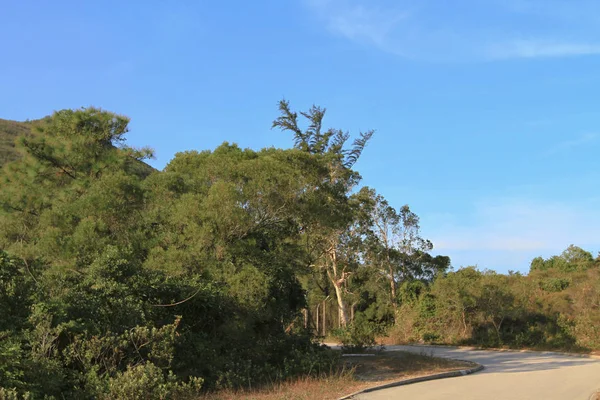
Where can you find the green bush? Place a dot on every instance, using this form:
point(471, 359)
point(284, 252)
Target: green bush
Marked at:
point(358, 336)
point(431, 337)
point(555, 284)
point(147, 381)
point(13, 394)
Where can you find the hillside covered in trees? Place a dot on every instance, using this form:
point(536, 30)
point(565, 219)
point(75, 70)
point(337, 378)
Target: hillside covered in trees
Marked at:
point(555, 306)
point(220, 271)
point(10, 131)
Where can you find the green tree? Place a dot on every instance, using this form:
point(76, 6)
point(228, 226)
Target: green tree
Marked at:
point(123, 256)
point(61, 160)
point(573, 258)
point(394, 244)
point(496, 301)
point(456, 298)
point(328, 217)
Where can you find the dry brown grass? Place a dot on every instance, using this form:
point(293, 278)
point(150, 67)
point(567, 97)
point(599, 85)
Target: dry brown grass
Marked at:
point(393, 365)
point(300, 389)
point(357, 373)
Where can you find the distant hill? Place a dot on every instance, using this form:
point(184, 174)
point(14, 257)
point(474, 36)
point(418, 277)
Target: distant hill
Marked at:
point(11, 130)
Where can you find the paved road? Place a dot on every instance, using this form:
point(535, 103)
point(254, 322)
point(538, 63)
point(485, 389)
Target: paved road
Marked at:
point(507, 376)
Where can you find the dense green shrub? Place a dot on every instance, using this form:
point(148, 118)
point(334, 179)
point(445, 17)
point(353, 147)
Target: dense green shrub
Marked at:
point(147, 381)
point(13, 394)
point(121, 281)
point(555, 284)
point(358, 336)
point(554, 307)
point(431, 337)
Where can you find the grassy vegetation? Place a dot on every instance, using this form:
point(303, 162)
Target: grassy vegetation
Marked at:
point(304, 388)
point(9, 131)
point(352, 374)
point(394, 365)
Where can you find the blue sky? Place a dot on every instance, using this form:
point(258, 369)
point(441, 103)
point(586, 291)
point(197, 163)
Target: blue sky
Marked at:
point(486, 112)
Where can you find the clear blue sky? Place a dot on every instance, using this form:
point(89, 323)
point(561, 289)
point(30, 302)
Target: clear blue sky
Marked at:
point(487, 112)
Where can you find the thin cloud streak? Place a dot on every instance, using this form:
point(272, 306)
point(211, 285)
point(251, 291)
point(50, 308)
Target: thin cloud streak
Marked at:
point(540, 49)
point(582, 140)
point(519, 229)
point(358, 22)
point(424, 32)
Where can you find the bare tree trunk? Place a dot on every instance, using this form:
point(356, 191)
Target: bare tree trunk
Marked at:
point(337, 285)
point(393, 293)
point(317, 314)
point(383, 230)
point(352, 312)
point(324, 322)
point(497, 326)
point(341, 305)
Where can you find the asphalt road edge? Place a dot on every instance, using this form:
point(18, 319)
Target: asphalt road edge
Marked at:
point(507, 350)
point(402, 382)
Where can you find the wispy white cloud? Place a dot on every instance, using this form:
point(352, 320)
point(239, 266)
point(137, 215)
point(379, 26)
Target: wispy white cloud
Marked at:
point(361, 22)
point(574, 11)
point(499, 232)
point(582, 140)
point(540, 49)
point(524, 29)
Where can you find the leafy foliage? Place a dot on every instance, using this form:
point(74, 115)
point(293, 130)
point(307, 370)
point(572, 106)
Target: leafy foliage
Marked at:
point(10, 131)
point(119, 281)
point(358, 336)
point(554, 307)
point(130, 283)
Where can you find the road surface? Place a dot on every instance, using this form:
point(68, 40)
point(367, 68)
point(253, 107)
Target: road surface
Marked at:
point(507, 376)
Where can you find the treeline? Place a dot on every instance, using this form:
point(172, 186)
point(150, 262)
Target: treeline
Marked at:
point(120, 281)
point(555, 306)
point(123, 282)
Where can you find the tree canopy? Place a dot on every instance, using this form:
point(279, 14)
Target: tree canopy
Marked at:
point(223, 269)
